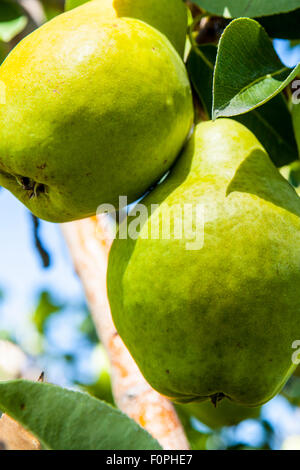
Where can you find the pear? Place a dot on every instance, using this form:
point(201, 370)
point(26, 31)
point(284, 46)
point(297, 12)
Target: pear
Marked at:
point(212, 310)
point(226, 413)
point(168, 16)
point(94, 110)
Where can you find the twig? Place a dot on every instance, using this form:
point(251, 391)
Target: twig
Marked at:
point(89, 242)
point(44, 255)
point(35, 10)
point(35, 16)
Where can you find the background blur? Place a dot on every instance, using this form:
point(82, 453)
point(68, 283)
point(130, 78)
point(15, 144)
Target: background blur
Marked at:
point(43, 310)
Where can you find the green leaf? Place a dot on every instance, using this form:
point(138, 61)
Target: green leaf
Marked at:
point(87, 328)
point(12, 20)
point(101, 388)
point(197, 439)
point(248, 72)
point(271, 123)
point(284, 26)
point(295, 43)
point(3, 51)
point(70, 4)
point(200, 66)
point(45, 308)
point(249, 8)
point(294, 176)
point(291, 390)
point(66, 420)
point(52, 8)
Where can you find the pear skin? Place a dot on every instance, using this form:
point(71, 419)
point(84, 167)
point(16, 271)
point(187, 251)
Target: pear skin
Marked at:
point(168, 16)
point(213, 313)
point(93, 110)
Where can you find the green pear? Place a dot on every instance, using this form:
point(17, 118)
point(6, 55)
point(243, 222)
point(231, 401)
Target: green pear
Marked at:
point(212, 311)
point(168, 16)
point(94, 110)
point(226, 413)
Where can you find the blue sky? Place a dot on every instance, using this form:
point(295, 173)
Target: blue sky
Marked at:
point(21, 273)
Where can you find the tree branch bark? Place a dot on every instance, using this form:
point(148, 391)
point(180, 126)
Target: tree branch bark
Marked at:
point(89, 242)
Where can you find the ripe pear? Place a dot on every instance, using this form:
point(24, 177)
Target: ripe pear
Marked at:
point(226, 413)
point(168, 16)
point(93, 111)
point(212, 311)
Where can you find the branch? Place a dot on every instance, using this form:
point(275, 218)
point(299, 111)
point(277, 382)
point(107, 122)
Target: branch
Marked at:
point(89, 242)
point(35, 11)
point(14, 437)
point(44, 255)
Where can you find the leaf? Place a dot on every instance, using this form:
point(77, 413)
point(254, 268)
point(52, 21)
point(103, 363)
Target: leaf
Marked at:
point(70, 4)
point(87, 327)
point(271, 123)
point(52, 8)
point(248, 72)
point(284, 26)
point(102, 388)
point(294, 43)
point(249, 8)
point(3, 51)
point(45, 308)
point(294, 176)
point(66, 420)
point(12, 20)
point(197, 439)
point(200, 66)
